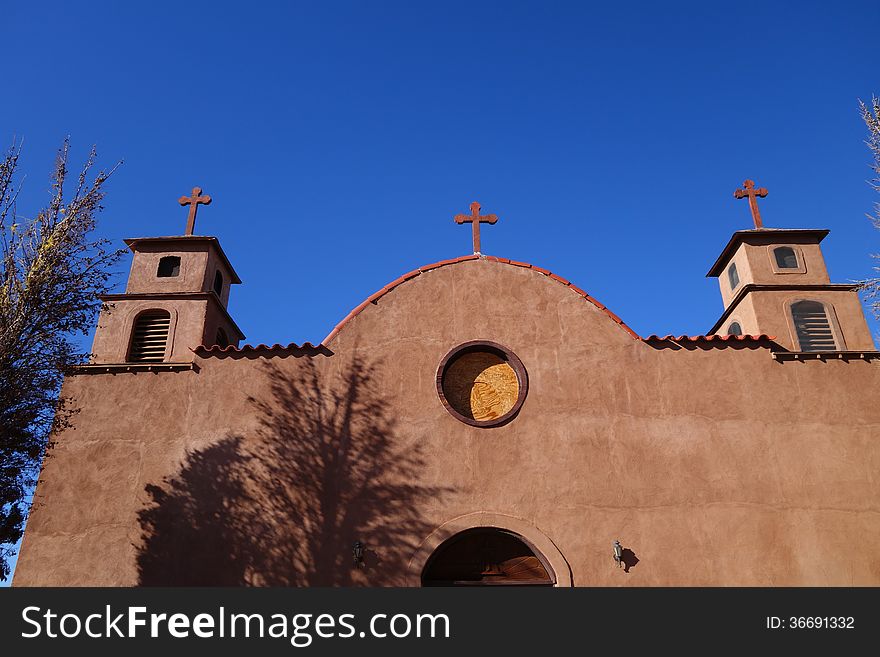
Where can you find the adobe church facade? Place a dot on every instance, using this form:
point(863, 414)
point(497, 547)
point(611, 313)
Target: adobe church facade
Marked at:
point(477, 421)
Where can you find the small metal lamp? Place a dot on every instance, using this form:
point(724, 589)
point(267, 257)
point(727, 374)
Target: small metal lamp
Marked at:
point(357, 551)
point(618, 552)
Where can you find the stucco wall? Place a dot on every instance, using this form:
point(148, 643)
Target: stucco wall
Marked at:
point(714, 466)
point(769, 312)
point(764, 269)
point(755, 263)
point(187, 327)
point(145, 263)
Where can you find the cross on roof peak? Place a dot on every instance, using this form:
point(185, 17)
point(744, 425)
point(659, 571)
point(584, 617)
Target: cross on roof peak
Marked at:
point(475, 219)
point(193, 202)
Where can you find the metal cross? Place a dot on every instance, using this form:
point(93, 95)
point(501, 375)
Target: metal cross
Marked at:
point(193, 202)
point(475, 219)
point(750, 191)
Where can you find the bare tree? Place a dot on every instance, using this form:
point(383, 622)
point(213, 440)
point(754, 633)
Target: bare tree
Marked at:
point(51, 273)
point(871, 116)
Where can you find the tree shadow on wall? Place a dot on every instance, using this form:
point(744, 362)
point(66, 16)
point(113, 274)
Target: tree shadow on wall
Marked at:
point(284, 506)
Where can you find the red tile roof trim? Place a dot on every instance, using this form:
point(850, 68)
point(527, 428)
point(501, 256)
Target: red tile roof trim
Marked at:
point(421, 270)
point(710, 338)
point(293, 349)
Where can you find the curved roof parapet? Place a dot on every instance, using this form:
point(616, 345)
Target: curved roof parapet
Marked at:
point(443, 263)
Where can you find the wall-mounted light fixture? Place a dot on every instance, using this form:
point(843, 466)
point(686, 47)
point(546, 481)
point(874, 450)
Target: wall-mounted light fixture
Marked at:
point(357, 552)
point(618, 552)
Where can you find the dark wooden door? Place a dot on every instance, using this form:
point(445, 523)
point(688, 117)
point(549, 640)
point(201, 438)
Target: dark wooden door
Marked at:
point(485, 557)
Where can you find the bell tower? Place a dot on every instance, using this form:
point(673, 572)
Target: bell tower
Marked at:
point(774, 282)
point(176, 298)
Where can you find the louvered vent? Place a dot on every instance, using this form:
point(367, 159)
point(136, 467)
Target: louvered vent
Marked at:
point(812, 325)
point(149, 337)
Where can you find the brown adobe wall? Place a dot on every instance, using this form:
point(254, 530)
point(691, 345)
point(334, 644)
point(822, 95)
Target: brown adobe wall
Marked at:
point(189, 326)
point(755, 263)
point(714, 466)
point(768, 311)
point(145, 261)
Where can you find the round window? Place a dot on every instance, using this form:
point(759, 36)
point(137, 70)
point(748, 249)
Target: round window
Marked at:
point(482, 383)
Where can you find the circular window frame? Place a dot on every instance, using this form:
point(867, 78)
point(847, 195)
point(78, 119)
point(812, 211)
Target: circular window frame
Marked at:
point(522, 379)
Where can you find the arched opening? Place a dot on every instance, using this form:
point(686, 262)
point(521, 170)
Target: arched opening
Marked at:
point(218, 283)
point(169, 267)
point(812, 326)
point(734, 329)
point(222, 339)
point(733, 276)
point(786, 258)
point(149, 337)
point(486, 556)
point(482, 383)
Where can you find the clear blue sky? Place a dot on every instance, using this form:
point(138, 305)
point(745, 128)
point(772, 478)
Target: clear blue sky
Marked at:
point(338, 138)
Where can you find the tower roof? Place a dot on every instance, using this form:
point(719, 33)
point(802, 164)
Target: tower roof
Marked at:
point(134, 242)
point(780, 234)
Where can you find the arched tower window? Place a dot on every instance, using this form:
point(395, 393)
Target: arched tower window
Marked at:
point(732, 276)
point(218, 283)
point(786, 258)
point(222, 340)
point(734, 329)
point(169, 266)
point(149, 337)
point(812, 326)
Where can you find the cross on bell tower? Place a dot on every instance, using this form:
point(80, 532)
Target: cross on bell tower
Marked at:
point(475, 219)
point(774, 282)
point(193, 202)
point(749, 191)
point(175, 301)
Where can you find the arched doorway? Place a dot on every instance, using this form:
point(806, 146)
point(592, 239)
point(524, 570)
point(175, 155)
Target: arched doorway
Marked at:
point(487, 556)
